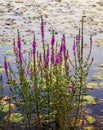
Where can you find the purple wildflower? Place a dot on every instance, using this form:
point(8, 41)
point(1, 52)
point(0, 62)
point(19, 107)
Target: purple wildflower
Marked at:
point(47, 61)
point(53, 39)
point(34, 47)
point(6, 66)
point(52, 58)
point(58, 59)
point(19, 41)
point(72, 88)
point(35, 87)
point(63, 45)
point(77, 40)
point(62, 48)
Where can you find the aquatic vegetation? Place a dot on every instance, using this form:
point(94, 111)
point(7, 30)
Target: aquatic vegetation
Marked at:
point(48, 87)
point(87, 99)
point(90, 119)
point(91, 85)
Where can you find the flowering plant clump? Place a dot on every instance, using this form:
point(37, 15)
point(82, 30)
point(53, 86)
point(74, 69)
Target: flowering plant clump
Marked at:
point(48, 87)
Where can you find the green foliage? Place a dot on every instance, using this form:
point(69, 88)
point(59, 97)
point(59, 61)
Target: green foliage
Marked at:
point(15, 117)
point(90, 119)
point(49, 87)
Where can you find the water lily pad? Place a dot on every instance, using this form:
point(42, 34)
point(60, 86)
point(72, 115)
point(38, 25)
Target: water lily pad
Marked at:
point(2, 102)
point(5, 108)
point(101, 65)
point(100, 84)
point(90, 119)
point(91, 85)
point(98, 76)
point(99, 42)
point(9, 51)
point(87, 99)
point(1, 70)
point(15, 117)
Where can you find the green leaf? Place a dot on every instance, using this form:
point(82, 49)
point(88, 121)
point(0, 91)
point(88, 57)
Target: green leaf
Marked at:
point(1, 70)
point(15, 117)
point(87, 99)
point(5, 108)
point(91, 85)
point(90, 119)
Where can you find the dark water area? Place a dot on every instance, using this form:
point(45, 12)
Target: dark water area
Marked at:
point(97, 109)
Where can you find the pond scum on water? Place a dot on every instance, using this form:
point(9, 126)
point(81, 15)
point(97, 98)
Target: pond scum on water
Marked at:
point(47, 90)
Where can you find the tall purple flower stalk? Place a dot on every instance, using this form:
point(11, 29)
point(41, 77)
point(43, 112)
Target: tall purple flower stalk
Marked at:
point(74, 48)
point(20, 55)
point(63, 45)
point(6, 66)
point(77, 40)
point(34, 47)
point(19, 41)
point(53, 39)
point(58, 59)
point(52, 47)
point(62, 48)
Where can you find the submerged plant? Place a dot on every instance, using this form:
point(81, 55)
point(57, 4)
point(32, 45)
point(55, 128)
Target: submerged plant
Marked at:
point(48, 87)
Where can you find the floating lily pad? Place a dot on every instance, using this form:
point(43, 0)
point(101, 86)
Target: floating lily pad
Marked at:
point(9, 51)
point(90, 119)
point(5, 108)
point(4, 43)
point(101, 65)
point(98, 76)
point(15, 117)
point(91, 85)
point(87, 99)
point(100, 84)
point(99, 42)
point(1, 70)
point(2, 102)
